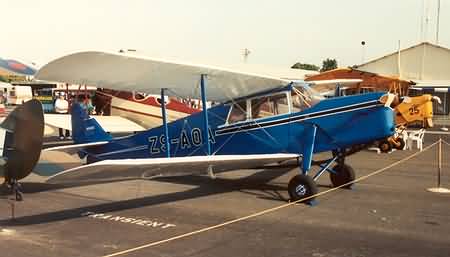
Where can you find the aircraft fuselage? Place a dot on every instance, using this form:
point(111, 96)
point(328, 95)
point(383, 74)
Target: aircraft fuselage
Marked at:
point(341, 122)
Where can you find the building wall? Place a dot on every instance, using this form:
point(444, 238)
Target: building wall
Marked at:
point(422, 62)
point(425, 63)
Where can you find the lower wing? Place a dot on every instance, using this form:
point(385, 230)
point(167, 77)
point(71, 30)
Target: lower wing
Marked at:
point(110, 169)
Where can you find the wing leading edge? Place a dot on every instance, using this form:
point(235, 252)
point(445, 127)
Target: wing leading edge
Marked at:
point(111, 169)
point(148, 75)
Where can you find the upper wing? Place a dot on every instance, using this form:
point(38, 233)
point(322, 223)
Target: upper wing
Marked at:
point(110, 169)
point(126, 72)
point(112, 124)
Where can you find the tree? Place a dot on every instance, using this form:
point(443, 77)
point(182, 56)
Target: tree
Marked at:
point(329, 64)
point(3, 79)
point(305, 66)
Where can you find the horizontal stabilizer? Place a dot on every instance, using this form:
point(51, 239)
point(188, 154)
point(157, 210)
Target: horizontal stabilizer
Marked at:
point(111, 169)
point(72, 149)
point(111, 124)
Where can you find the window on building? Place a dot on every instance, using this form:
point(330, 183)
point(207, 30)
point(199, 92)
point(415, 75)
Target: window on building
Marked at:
point(443, 108)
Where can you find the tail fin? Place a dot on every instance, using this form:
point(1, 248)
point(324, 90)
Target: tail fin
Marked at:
point(84, 128)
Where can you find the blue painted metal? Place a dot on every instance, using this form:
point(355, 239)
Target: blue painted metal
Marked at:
point(312, 202)
point(325, 167)
point(205, 114)
point(84, 128)
point(340, 122)
point(166, 127)
point(308, 147)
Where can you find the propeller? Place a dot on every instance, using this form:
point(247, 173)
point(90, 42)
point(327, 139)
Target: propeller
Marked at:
point(22, 133)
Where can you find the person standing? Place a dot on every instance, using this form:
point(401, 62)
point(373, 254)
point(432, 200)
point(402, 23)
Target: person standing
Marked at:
point(62, 107)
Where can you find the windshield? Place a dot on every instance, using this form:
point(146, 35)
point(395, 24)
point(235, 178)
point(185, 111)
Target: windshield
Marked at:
point(304, 97)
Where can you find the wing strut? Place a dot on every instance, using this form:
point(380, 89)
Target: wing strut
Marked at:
point(308, 148)
point(205, 114)
point(166, 128)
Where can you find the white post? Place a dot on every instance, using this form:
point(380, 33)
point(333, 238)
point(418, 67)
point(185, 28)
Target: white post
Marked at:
point(439, 163)
point(439, 189)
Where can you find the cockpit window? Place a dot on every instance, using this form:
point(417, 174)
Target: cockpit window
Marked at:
point(304, 97)
point(238, 112)
point(267, 106)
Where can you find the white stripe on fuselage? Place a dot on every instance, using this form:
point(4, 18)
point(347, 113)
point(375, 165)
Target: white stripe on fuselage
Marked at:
point(131, 149)
point(292, 121)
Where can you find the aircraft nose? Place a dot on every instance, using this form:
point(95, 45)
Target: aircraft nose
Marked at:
point(390, 100)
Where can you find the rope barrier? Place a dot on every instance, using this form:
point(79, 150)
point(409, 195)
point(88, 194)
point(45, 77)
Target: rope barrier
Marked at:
point(268, 210)
point(445, 142)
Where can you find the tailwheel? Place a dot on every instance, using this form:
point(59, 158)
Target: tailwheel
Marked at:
point(15, 189)
point(385, 146)
point(302, 186)
point(344, 174)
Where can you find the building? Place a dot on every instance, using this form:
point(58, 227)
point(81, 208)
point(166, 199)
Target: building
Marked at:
point(426, 64)
point(369, 81)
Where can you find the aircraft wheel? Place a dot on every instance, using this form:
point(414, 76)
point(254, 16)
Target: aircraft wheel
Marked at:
point(302, 186)
point(400, 144)
point(344, 174)
point(385, 146)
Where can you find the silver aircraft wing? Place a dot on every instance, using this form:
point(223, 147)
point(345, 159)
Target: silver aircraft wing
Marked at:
point(126, 168)
point(150, 75)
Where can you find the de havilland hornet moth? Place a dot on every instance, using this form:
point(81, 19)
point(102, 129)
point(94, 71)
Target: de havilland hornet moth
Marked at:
point(255, 120)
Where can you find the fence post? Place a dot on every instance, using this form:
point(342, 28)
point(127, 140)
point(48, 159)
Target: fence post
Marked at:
point(439, 189)
point(439, 162)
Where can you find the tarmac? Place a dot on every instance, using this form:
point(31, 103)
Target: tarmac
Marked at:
point(388, 214)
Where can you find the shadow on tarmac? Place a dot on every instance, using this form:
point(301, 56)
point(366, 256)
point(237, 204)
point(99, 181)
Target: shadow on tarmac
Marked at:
point(205, 186)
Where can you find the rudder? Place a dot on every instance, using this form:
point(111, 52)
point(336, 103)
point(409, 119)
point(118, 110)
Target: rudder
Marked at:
point(86, 129)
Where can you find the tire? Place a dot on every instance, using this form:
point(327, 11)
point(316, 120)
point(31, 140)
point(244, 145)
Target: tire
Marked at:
point(302, 186)
point(385, 146)
point(401, 144)
point(344, 174)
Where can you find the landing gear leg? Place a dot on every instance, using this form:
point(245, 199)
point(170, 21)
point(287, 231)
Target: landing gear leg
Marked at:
point(15, 189)
point(303, 186)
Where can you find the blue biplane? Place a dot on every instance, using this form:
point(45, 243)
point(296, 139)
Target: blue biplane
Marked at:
point(255, 120)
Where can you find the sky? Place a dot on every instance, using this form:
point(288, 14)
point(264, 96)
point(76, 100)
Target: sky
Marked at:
point(278, 33)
